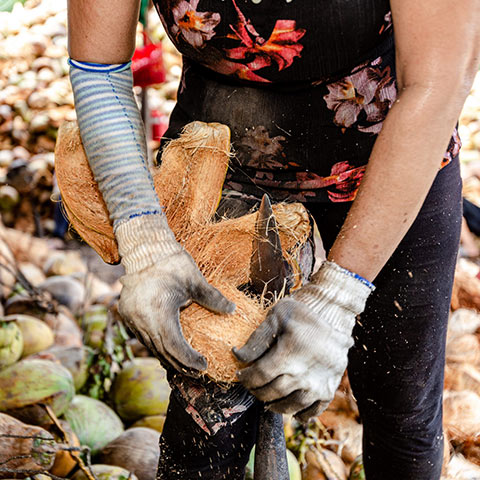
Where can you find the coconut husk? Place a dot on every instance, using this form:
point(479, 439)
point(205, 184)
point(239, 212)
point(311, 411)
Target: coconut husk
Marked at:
point(35, 452)
point(462, 322)
point(189, 184)
point(136, 450)
point(105, 472)
point(37, 335)
point(462, 376)
point(65, 461)
point(323, 465)
point(461, 414)
point(466, 290)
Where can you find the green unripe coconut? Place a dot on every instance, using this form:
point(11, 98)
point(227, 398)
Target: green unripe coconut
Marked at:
point(94, 325)
point(294, 470)
point(154, 422)
point(11, 343)
point(106, 472)
point(140, 389)
point(37, 335)
point(30, 383)
point(357, 471)
point(94, 423)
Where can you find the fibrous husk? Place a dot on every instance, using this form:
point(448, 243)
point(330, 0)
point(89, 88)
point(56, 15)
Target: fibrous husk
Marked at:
point(462, 322)
point(140, 389)
point(189, 184)
point(462, 376)
point(154, 422)
point(466, 290)
point(29, 384)
point(37, 335)
point(323, 465)
point(464, 349)
point(136, 450)
point(461, 469)
point(106, 472)
point(461, 414)
point(34, 452)
point(94, 423)
point(11, 343)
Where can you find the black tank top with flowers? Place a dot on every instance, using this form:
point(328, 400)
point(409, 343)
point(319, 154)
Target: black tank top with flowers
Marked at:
point(303, 86)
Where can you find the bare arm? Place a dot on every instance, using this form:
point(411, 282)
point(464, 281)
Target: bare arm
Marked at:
point(102, 31)
point(438, 47)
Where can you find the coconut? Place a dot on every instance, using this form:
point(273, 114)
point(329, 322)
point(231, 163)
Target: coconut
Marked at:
point(154, 422)
point(74, 360)
point(189, 184)
point(140, 389)
point(11, 343)
point(29, 448)
point(462, 376)
point(66, 290)
point(357, 472)
point(461, 414)
point(461, 469)
point(32, 273)
point(462, 322)
point(65, 461)
point(29, 384)
point(106, 472)
point(294, 470)
point(37, 335)
point(94, 423)
point(323, 465)
point(136, 450)
point(464, 349)
point(64, 263)
point(94, 323)
point(67, 332)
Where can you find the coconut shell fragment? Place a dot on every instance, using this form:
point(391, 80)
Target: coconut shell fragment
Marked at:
point(189, 184)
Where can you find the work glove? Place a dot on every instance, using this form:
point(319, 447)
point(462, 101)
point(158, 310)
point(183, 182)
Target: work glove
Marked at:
point(161, 278)
point(299, 353)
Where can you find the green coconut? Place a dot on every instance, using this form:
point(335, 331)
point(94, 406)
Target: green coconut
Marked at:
point(37, 335)
point(94, 324)
point(11, 343)
point(106, 472)
point(136, 450)
point(94, 423)
point(154, 422)
point(29, 384)
point(74, 359)
point(140, 389)
point(294, 470)
point(357, 471)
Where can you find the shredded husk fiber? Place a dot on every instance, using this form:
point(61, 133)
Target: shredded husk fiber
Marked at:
point(189, 183)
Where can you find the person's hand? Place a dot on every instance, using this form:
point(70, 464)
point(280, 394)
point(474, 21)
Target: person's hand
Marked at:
point(299, 352)
point(161, 277)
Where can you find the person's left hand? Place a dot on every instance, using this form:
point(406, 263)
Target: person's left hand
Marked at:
point(299, 352)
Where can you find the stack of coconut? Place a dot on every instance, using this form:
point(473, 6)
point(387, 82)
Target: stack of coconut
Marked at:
point(74, 400)
point(36, 98)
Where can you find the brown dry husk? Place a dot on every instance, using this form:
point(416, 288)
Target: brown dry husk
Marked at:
point(189, 184)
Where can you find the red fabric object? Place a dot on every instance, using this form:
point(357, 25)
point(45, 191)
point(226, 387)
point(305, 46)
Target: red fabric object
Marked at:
point(147, 64)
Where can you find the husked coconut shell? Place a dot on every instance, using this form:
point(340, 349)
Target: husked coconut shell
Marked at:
point(136, 450)
point(189, 185)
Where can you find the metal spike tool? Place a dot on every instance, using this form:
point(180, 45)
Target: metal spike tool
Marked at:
point(270, 275)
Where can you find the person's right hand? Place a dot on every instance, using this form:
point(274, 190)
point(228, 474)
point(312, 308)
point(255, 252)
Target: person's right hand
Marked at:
point(162, 278)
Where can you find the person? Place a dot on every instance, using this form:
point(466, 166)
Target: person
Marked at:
point(347, 106)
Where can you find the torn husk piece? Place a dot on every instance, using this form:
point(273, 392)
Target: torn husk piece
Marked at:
point(189, 184)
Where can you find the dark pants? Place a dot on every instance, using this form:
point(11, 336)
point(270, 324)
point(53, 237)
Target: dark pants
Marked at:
point(395, 367)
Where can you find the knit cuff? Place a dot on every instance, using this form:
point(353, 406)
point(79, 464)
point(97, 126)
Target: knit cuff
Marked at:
point(145, 240)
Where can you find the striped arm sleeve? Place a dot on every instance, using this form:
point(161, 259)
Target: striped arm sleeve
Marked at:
point(113, 136)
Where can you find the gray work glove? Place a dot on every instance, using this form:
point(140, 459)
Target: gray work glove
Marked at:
point(161, 277)
point(299, 352)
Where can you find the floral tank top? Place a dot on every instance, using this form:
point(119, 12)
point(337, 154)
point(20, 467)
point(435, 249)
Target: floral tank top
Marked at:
point(303, 85)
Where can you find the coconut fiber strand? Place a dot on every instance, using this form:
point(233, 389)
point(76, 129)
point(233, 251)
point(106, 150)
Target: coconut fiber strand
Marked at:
point(189, 185)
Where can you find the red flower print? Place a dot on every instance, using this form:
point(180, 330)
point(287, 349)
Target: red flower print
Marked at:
point(453, 150)
point(370, 90)
point(282, 47)
point(195, 27)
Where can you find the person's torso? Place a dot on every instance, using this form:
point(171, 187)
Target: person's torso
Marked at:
point(303, 85)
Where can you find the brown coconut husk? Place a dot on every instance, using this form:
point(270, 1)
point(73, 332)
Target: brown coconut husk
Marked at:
point(462, 376)
point(189, 185)
point(461, 414)
point(466, 290)
point(464, 349)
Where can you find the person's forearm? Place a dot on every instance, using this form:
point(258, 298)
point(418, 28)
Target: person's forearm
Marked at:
point(403, 164)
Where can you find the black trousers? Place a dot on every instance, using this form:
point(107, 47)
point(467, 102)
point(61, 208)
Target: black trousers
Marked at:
point(395, 367)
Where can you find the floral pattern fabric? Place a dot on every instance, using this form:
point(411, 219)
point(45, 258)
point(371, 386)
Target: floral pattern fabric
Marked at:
point(300, 131)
